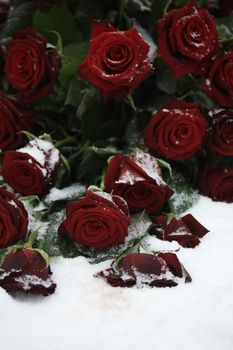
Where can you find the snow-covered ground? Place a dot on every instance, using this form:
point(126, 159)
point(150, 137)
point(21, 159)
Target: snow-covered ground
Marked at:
point(85, 313)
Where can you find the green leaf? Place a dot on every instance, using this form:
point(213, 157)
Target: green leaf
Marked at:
point(2, 253)
point(53, 243)
point(76, 50)
point(74, 90)
point(53, 102)
point(166, 165)
point(30, 200)
point(159, 8)
point(165, 80)
point(58, 19)
point(93, 161)
point(184, 197)
point(20, 18)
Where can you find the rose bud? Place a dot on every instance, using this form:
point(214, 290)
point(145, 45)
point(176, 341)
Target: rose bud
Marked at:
point(221, 132)
point(14, 118)
point(186, 36)
point(32, 169)
point(140, 269)
point(117, 61)
point(177, 131)
point(185, 230)
point(26, 270)
point(4, 10)
point(13, 219)
point(138, 179)
point(97, 220)
point(218, 83)
point(217, 183)
point(32, 64)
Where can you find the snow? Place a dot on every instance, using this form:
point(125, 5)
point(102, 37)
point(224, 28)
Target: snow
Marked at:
point(86, 313)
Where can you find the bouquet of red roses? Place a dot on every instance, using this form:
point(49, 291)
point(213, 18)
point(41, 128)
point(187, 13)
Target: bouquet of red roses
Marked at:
point(114, 117)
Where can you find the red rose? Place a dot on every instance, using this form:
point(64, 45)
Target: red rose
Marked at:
point(186, 36)
point(219, 82)
point(138, 179)
point(177, 131)
point(140, 269)
point(26, 270)
point(185, 230)
point(13, 219)
point(97, 220)
point(217, 183)
point(14, 118)
point(32, 64)
point(221, 132)
point(32, 169)
point(117, 61)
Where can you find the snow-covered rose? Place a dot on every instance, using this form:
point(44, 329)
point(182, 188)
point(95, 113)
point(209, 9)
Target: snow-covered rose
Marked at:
point(97, 220)
point(32, 169)
point(137, 178)
point(26, 270)
point(186, 37)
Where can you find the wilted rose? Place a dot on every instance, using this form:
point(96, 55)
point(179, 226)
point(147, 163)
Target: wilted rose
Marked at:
point(142, 269)
point(138, 179)
point(26, 270)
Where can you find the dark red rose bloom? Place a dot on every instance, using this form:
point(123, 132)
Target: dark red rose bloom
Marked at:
point(140, 269)
point(32, 64)
point(218, 84)
point(138, 179)
point(13, 219)
point(4, 9)
point(186, 36)
point(97, 220)
point(176, 131)
point(117, 61)
point(217, 183)
point(33, 168)
point(14, 118)
point(185, 230)
point(221, 132)
point(26, 270)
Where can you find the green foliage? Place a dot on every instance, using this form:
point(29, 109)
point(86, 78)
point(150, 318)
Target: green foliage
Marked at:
point(58, 19)
point(184, 197)
point(74, 54)
point(159, 8)
point(20, 18)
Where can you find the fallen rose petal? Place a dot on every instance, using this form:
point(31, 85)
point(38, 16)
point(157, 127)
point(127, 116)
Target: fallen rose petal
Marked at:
point(142, 269)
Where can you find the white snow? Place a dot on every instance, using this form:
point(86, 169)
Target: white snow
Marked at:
point(86, 313)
